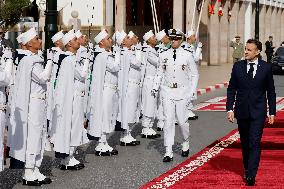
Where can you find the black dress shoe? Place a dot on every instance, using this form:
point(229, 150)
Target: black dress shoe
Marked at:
point(133, 143)
point(32, 183)
point(159, 129)
point(114, 152)
point(185, 153)
point(250, 181)
point(193, 118)
point(167, 159)
point(150, 136)
point(107, 153)
point(99, 153)
point(73, 168)
point(46, 181)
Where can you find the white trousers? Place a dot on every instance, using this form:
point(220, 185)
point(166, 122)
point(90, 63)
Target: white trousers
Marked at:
point(78, 132)
point(36, 135)
point(2, 129)
point(148, 100)
point(175, 110)
point(147, 122)
point(110, 109)
point(160, 113)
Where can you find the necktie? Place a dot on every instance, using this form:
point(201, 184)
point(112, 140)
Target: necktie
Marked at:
point(251, 69)
point(175, 55)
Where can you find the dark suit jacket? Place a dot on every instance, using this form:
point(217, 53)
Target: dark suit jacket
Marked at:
point(269, 49)
point(250, 96)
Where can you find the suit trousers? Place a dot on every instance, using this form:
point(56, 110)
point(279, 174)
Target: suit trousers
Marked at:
point(250, 134)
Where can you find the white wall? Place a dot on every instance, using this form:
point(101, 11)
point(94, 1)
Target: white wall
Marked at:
point(91, 10)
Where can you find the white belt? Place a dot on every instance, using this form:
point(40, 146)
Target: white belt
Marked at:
point(39, 96)
point(112, 86)
point(134, 81)
point(80, 93)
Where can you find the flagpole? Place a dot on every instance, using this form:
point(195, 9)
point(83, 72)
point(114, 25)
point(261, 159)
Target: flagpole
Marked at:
point(199, 19)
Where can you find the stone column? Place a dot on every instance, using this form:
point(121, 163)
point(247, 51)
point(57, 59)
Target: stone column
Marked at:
point(203, 35)
point(224, 36)
point(120, 15)
point(233, 27)
point(262, 24)
point(189, 14)
point(273, 23)
point(282, 23)
point(267, 22)
point(178, 14)
point(214, 41)
point(248, 22)
point(241, 20)
point(278, 27)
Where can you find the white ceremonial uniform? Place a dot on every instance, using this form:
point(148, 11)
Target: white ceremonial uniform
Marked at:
point(160, 111)
point(68, 115)
point(149, 102)
point(129, 80)
point(81, 55)
point(27, 127)
point(174, 77)
point(104, 94)
point(55, 52)
point(5, 79)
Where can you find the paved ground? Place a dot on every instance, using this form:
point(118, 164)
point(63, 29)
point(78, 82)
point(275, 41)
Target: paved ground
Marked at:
point(134, 166)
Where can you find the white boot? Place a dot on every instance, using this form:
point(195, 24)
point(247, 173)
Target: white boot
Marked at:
point(29, 175)
point(169, 151)
point(185, 146)
point(38, 174)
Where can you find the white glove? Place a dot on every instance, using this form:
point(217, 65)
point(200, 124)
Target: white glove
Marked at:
point(8, 53)
point(234, 39)
point(85, 67)
point(199, 45)
point(117, 57)
point(49, 54)
point(47, 70)
point(138, 54)
point(9, 67)
point(194, 96)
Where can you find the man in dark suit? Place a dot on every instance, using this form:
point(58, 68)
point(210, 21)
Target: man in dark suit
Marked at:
point(269, 49)
point(251, 85)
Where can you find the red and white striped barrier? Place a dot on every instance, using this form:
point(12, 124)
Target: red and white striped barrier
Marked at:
point(212, 88)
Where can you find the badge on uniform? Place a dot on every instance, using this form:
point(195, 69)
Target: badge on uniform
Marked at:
point(183, 67)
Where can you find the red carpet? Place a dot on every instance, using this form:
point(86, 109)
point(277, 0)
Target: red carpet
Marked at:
point(220, 164)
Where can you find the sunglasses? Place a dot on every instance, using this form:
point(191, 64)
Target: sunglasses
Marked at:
point(175, 38)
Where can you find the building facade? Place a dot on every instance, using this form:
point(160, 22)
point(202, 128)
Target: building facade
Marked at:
point(215, 31)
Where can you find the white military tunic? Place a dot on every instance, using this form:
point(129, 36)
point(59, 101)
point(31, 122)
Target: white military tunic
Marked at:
point(27, 127)
point(5, 78)
point(174, 77)
point(149, 102)
point(68, 115)
point(129, 80)
point(104, 93)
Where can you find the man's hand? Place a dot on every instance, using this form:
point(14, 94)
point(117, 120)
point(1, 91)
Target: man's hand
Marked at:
point(231, 116)
point(271, 120)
